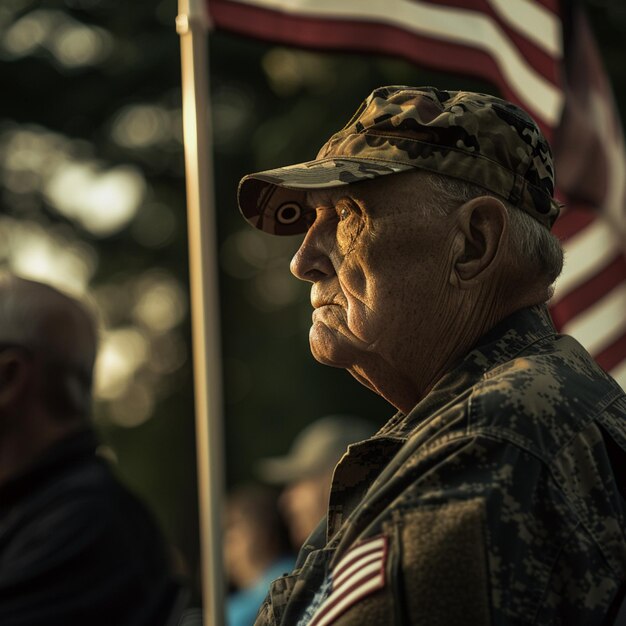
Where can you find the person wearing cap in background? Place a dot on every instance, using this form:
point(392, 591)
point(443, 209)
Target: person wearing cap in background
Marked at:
point(76, 547)
point(496, 494)
point(307, 470)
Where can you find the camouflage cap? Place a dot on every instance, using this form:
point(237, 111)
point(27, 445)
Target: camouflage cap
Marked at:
point(475, 137)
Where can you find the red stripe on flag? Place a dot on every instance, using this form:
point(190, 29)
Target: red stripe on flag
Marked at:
point(358, 574)
point(222, 13)
point(551, 5)
point(541, 61)
point(335, 600)
point(366, 559)
point(573, 220)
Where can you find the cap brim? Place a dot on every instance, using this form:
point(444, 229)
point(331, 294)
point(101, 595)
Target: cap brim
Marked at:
point(275, 200)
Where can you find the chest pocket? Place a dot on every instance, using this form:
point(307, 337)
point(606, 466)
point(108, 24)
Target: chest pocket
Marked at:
point(442, 573)
point(435, 572)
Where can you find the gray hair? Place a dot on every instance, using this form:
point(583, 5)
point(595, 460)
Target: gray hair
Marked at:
point(533, 245)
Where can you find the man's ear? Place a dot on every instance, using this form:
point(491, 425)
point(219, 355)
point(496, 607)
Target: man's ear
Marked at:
point(14, 369)
point(482, 225)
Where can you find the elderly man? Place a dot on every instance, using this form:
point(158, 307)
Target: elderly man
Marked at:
point(494, 495)
point(75, 546)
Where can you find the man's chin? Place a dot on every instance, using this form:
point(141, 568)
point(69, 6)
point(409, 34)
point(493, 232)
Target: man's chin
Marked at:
point(330, 347)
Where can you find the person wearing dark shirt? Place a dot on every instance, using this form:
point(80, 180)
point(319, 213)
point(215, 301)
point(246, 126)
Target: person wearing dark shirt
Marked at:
point(76, 547)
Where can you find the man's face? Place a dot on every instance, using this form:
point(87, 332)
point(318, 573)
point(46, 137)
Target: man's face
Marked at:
point(380, 278)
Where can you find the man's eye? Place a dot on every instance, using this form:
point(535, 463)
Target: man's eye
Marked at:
point(343, 214)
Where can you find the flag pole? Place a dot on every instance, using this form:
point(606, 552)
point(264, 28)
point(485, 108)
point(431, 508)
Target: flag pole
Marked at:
point(192, 26)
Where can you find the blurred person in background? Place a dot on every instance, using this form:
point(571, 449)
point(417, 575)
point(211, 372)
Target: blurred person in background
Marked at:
point(306, 471)
point(256, 550)
point(76, 547)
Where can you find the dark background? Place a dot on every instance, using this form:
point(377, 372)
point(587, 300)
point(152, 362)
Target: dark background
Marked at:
point(92, 199)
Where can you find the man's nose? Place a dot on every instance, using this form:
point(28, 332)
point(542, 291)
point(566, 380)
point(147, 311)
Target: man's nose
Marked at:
point(311, 261)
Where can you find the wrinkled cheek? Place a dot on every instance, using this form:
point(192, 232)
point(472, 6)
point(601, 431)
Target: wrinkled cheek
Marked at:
point(359, 302)
point(361, 321)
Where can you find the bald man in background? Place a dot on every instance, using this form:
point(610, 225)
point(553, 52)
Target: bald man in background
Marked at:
point(76, 547)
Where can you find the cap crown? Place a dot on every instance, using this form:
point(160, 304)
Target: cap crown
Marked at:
point(474, 137)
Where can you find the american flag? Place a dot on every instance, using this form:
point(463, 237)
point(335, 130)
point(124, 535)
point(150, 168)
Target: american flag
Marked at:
point(360, 572)
point(541, 55)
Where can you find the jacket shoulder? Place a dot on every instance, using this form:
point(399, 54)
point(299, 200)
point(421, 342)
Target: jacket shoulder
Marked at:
point(541, 399)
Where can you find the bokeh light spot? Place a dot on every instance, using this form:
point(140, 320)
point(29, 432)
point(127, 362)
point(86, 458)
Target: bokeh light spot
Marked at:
point(134, 407)
point(75, 45)
point(103, 202)
point(27, 33)
point(161, 303)
point(71, 43)
point(141, 126)
point(122, 352)
point(33, 251)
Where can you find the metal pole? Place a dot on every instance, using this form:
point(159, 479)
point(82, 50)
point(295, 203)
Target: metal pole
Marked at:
point(191, 25)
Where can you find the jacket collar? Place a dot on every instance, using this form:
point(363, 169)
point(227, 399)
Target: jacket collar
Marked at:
point(356, 474)
point(503, 342)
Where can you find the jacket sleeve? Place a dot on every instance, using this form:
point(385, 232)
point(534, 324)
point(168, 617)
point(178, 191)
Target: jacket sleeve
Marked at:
point(481, 533)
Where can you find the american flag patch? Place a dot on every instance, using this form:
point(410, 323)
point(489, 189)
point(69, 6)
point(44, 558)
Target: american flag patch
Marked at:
point(360, 572)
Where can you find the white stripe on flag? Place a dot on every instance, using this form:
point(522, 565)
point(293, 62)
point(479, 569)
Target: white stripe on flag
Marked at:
point(364, 571)
point(534, 22)
point(602, 323)
point(586, 253)
point(604, 122)
point(460, 26)
point(377, 543)
point(619, 373)
point(349, 600)
point(360, 572)
point(374, 557)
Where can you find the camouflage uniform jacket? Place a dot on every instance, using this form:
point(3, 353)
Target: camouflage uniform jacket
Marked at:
point(494, 501)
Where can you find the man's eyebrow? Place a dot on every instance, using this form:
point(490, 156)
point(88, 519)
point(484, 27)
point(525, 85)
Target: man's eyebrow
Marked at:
point(328, 198)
